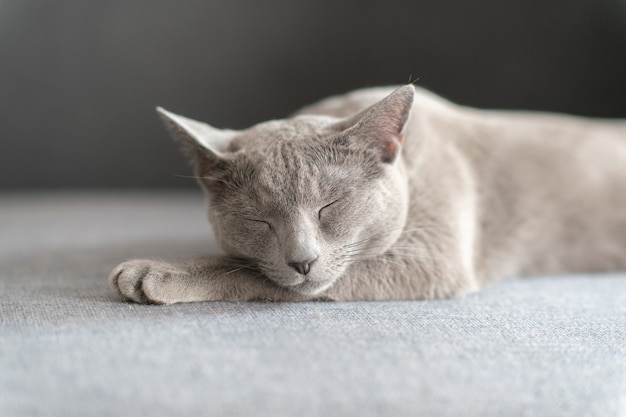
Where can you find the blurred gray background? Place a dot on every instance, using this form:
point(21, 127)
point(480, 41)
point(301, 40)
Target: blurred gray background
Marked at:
point(79, 79)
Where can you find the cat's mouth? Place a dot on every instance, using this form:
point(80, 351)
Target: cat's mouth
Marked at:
point(306, 285)
point(309, 287)
point(314, 282)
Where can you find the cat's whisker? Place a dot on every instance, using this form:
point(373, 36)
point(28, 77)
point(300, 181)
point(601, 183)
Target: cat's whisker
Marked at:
point(389, 248)
point(371, 256)
point(186, 176)
point(237, 269)
point(374, 236)
point(422, 227)
point(204, 177)
point(268, 269)
point(365, 256)
point(420, 257)
point(368, 239)
point(403, 266)
point(406, 250)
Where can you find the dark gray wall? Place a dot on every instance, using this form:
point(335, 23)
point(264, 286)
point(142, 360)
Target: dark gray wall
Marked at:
point(79, 79)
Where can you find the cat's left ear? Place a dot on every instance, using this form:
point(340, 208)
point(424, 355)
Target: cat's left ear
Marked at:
point(382, 125)
point(197, 136)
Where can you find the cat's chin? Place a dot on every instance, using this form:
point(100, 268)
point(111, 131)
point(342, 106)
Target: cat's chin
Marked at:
point(310, 287)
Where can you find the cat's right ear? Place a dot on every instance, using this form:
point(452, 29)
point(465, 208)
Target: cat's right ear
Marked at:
point(381, 126)
point(199, 140)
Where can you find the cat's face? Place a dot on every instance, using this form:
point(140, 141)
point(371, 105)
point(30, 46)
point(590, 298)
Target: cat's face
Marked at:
point(304, 198)
point(303, 208)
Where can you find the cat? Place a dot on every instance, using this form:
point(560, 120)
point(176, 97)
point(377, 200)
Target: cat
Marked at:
point(394, 194)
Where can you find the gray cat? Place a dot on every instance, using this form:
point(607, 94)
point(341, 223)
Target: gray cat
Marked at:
point(386, 194)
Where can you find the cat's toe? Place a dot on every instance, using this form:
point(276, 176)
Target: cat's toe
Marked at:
point(145, 282)
point(127, 280)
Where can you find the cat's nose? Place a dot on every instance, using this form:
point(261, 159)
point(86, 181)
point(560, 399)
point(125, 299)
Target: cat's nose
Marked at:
point(303, 267)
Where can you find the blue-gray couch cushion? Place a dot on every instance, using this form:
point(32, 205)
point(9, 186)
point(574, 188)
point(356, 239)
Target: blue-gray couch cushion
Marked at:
point(550, 346)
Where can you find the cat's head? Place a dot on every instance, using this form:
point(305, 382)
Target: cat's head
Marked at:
point(304, 198)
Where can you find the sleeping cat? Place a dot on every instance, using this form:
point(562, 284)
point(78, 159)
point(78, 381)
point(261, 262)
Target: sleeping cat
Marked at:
point(390, 194)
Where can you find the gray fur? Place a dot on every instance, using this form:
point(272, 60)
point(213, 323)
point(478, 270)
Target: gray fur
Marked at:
point(386, 194)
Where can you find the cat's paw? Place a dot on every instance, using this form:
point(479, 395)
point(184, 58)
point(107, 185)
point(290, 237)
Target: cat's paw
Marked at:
point(145, 281)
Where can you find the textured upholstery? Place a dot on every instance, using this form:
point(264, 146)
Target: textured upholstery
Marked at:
point(552, 346)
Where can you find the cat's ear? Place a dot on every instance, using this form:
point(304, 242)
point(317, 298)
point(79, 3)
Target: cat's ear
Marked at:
point(382, 125)
point(196, 136)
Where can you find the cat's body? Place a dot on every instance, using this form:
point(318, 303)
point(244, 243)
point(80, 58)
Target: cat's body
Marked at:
point(383, 194)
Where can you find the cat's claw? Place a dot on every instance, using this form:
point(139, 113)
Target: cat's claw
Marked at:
point(142, 281)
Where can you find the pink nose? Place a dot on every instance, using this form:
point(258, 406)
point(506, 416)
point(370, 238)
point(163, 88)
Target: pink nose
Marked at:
point(303, 267)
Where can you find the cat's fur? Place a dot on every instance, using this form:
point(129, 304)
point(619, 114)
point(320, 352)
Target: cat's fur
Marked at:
point(386, 194)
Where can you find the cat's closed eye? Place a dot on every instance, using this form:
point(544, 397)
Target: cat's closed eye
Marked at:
point(262, 223)
point(321, 211)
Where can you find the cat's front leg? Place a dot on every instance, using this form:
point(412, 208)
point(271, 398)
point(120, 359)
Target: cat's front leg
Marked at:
point(403, 277)
point(201, 279)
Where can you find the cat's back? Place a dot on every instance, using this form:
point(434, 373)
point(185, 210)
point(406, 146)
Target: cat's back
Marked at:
point(545, 191)
point(352, 102)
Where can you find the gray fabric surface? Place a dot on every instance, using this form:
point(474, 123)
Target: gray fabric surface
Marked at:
point(553, 346)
